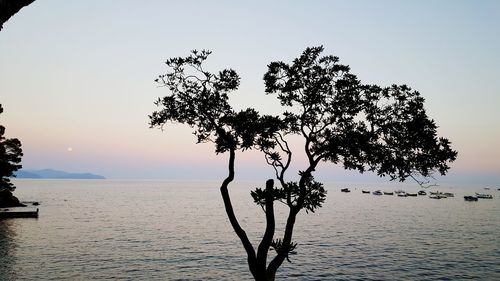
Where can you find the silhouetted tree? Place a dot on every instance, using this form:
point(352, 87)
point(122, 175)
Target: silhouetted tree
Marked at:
point(362, 127)
point(8, 8)
point(10, 157)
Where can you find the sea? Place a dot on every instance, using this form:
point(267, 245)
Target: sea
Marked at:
point(178, 230)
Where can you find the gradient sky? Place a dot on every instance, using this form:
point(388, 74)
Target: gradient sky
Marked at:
point(76, 77)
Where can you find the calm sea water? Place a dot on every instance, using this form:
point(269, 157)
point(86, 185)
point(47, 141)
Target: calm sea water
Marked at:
point(154, 230)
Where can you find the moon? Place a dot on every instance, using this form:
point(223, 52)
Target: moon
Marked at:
point(70, 149)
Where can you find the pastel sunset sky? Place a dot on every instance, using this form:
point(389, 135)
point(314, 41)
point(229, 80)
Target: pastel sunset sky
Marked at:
point(77, 77)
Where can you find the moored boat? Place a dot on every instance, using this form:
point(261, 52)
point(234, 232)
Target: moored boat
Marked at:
point(345, 190)
point(388, 193)
point(377, 192)
point(470, 198)
point(484, 196)
point(411, 194)
point(421, 192)
point(365, 191)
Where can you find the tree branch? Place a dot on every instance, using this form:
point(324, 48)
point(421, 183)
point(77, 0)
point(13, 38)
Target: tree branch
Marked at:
point(230, 212)
point(282, 254)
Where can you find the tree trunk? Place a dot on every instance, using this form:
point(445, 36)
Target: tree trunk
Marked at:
point(287, 240)
point(257, 262)
point(251, 256)
point(267, 239)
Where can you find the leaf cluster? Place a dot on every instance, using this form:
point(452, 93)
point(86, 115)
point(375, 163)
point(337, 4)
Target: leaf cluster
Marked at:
point(285, 248)
point(314, 194)
point(199, 99)
point(404, 139)
point(10, 157)
point(363, 127)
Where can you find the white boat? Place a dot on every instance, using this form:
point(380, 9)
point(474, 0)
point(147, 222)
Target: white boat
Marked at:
point(402, 194)
point(484, 196)
point(377, 192)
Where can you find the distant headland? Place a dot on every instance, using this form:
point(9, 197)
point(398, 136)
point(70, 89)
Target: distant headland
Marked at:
point(54, 174)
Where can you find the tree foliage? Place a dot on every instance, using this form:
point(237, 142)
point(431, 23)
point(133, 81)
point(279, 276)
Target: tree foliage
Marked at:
point(200, 99)
point(8, 8)
point(10, 157)
point(363, 127)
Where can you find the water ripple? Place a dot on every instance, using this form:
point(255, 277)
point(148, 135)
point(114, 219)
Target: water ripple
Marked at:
point(106, 230)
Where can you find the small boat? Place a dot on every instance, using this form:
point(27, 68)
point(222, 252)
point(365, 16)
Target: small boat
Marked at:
point(399, 191)
point(388, 193)
point(402, 194)
point(365, 191)
point(486, 188)
point(484, 196)
point(437, 196)
point(470, 198)
point(441, 194)
point(411, 194)
point(377, 192)
point(345, 190)
point(421, 192)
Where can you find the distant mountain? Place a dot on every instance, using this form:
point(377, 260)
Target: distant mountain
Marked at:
point(54, 174)
point(27, 175)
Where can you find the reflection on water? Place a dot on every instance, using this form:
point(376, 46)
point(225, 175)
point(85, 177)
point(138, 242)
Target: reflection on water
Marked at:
point(7, 249)
point(99, 230)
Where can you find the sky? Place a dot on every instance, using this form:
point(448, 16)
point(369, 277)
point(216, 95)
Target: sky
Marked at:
point(77, 77)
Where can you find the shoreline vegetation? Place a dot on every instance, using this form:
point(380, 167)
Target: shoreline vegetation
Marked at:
point(8, 200)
